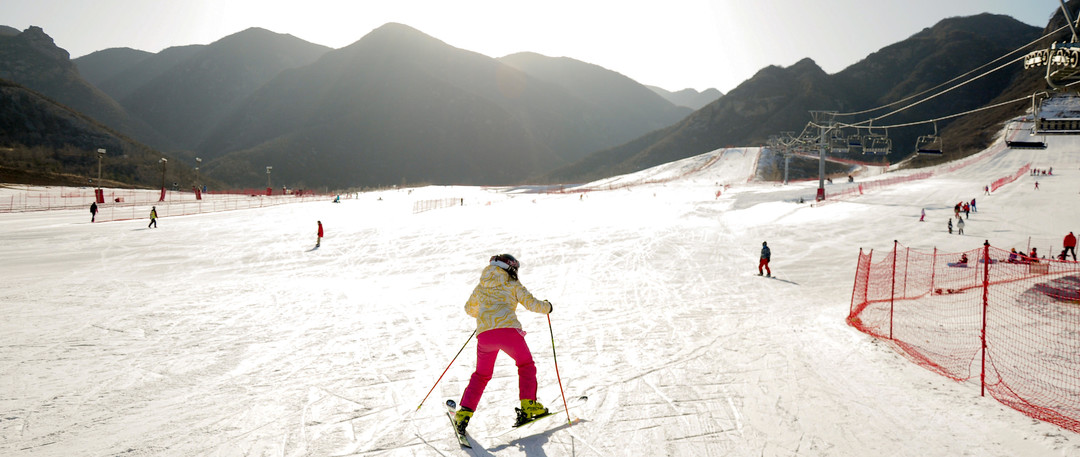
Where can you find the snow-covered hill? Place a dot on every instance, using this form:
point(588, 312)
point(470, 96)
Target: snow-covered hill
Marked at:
point(225, 334)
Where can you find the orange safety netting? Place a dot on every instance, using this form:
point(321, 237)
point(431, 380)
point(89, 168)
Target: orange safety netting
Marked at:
point(1012, 322)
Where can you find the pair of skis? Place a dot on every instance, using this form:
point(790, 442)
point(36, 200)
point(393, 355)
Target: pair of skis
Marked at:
point(463, 439)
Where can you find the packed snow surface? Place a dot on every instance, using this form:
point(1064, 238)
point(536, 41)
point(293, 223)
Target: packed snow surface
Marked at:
point(226, 334)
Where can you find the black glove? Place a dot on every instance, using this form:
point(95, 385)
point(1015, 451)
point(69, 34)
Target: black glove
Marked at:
point(550, 306)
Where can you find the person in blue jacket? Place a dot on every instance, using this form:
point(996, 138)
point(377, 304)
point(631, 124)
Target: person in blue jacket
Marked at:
point(766, 254)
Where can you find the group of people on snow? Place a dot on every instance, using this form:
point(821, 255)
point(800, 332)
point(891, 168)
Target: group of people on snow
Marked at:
point(1069, 244)
point(1016, 257)
point(966, 207)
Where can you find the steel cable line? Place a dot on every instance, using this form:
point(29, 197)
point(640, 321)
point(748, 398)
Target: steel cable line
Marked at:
point(869, 122)
point(956, 78)
point(950, 116)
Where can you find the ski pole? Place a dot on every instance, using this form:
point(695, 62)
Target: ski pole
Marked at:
point(447, 369)
point(559, 378)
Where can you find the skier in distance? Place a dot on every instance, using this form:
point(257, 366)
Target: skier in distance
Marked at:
point(766, 255)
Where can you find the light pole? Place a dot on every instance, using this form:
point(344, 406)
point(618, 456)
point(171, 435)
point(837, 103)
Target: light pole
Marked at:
point(163, 162)
point(100, 154)
point(268, 186)
point(198, 162)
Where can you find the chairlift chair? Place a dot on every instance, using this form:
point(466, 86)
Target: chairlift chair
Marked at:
point(877, 144)
point(1031, 143)
point(1059, 74)
point(929, 144)
point(855, 145)
point(838, 144)
point(855, 141)
point(1058, 113)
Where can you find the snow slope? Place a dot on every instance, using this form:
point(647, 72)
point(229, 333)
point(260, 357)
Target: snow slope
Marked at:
point(225, 334)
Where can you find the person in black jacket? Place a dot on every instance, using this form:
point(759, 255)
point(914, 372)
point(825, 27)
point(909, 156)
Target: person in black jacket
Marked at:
point(766, 254)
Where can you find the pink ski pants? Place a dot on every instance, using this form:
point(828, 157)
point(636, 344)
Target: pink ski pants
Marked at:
point(512, 342)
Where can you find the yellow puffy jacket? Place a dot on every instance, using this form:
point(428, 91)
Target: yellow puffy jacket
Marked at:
point(493, 302)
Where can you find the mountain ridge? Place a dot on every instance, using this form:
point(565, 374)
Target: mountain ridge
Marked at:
point(399, 106)
point(689, 97)
point(517, 124)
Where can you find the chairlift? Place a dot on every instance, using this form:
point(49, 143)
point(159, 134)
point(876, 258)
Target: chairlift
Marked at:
point(1060, 73)
point(838, 143)
point(1015, 128)
point(855, 144)
point(929, 144)
point(1058, 113)
point(877, 144)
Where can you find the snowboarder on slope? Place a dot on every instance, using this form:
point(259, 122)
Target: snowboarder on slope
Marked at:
point(93, 211)
point(493, 303)
point(153, 217)
point(766, 255)
point(318, 240)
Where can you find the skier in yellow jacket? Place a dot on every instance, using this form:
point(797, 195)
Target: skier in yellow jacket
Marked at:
point(493, 303)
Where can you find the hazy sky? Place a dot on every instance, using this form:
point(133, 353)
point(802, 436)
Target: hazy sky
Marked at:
point(673, 44)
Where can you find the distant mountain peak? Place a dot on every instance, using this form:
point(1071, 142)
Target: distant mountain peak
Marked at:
point(35, 38)
point(394, 32)
point(257, 32)
point(689, 97)
point(806, 64)
point(254, 37)
point(396, 27)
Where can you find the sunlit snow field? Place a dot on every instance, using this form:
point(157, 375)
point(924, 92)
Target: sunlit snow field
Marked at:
point(225, 334)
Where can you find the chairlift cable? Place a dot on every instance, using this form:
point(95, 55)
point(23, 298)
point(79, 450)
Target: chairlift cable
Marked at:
point(950, 116)
point(955, 115)
point(1036, 41)
point(947, 90)
point(869, 122)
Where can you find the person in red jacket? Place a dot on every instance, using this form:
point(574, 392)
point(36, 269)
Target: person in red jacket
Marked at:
point(1070, 245)
point(319, 240)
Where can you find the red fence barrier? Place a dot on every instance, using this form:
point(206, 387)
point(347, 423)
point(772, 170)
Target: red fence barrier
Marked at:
point(887, 182)
point(124, 204)
point(1012, 322)
point(1008, 179)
